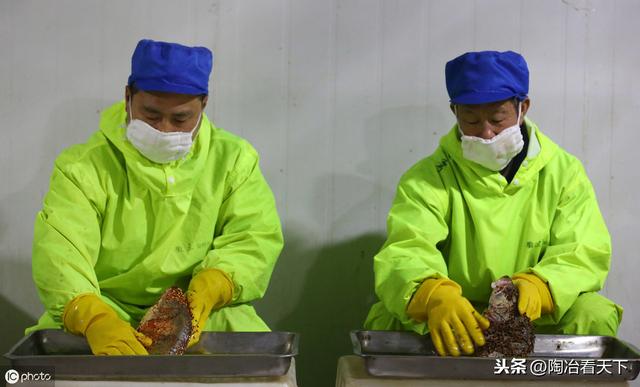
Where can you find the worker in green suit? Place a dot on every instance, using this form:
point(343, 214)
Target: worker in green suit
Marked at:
point(497, 198)
point(157, 197)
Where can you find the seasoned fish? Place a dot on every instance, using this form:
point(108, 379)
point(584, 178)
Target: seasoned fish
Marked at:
point(168, 324)
point(510, 334)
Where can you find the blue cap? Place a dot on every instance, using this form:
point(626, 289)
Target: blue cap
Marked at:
point(487, 76)
point(171, 68)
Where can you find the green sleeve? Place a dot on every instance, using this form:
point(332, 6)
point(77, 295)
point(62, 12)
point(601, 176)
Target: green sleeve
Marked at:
point(66, 243)
point(415, 225)
point(579, 252)
point(248, 237)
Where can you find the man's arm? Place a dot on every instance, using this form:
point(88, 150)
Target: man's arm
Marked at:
point(248, 236)
point(415, 225)
point(66, 246)
point(66, 243)
point(579, 252)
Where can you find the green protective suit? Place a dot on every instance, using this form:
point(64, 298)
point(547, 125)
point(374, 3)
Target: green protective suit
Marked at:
point(118, 225)
point(454, 218)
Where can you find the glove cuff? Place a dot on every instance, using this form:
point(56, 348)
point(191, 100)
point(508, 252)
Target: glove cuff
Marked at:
point(83, 310)
point(219, 286)
point(546, 301)
point(417, 308)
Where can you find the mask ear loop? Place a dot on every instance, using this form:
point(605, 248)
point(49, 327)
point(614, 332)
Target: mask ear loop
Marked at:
point(197, 124)
point(130, 108)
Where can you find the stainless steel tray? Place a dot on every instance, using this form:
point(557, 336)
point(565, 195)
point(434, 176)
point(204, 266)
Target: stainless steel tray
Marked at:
point(218, 354)
point(409, 355)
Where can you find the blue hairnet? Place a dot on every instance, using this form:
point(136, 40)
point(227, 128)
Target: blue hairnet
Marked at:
point(487, 76)
point(171, 67)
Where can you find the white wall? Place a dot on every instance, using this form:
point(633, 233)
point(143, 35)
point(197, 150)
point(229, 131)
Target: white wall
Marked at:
point(339, 97)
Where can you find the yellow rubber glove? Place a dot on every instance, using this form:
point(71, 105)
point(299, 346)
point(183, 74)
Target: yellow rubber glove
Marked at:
point(453, 322)
point(106, 333)
point(210, 289)
point(535, 298)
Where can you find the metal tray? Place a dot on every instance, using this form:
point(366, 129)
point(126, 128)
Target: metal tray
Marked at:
point(218, 354)
point(409, 355)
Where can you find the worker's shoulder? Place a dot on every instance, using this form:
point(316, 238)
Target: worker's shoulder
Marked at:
point(428, 171)
point(424, 181)
point(557, 160)
point(92, 155)
point(228, 145)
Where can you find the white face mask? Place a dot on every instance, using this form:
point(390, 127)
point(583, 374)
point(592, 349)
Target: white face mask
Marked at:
point(157, 146)
point(496, 152)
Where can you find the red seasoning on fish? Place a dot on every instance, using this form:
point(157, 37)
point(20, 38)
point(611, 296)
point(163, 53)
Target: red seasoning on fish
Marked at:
point(510, 334)
point(168, 324)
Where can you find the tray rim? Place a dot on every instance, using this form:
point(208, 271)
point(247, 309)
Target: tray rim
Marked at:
point(357, 350)
point(186, 368)
point(357, 346)
point(294, 350)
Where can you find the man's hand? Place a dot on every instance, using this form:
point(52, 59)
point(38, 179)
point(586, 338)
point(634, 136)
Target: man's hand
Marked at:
point(210, 289)
point(452, 320)
point(106, 333)
point(534, 296)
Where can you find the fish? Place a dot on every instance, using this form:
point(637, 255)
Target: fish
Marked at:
point(503, 300)
point(510, 334)
point(168, 323)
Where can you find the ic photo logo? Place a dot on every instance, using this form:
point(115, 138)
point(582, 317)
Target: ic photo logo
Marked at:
point(12, 377)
